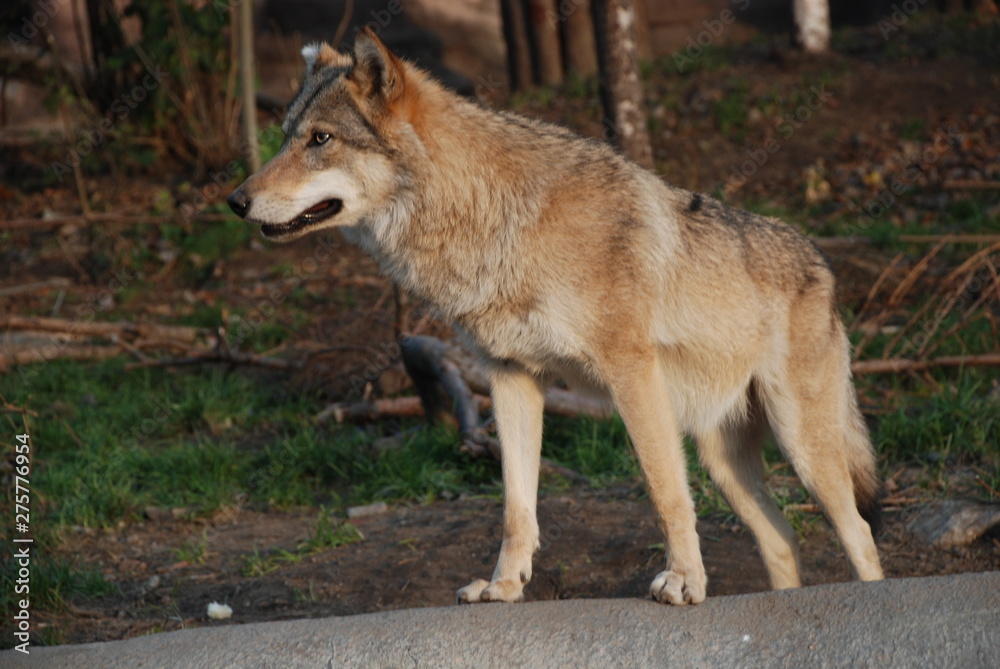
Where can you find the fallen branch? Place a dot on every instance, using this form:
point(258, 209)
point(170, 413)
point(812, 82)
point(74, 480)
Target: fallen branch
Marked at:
point(180, 333)
point(548, 467)
point(812, 507)
point(375, 410)
point(804, 507)
point(11, 408)
point(64, 350)
point(847, 243)
point(951, 239)
point(567, 403)
point(558, 401)
point(436, 366)
point(441, 386)
point(32, 287)
point(897, 501)
point(219, 355)
point(895, 365)
point(28, 356)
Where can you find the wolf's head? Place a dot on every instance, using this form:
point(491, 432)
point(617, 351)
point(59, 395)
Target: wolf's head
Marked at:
point(339, 162)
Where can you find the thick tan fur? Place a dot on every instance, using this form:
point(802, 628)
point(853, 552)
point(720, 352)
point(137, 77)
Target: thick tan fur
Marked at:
point(558, 258)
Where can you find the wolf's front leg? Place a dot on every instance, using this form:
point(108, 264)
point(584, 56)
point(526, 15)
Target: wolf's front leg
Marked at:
point(640, 393)
point(518, 400)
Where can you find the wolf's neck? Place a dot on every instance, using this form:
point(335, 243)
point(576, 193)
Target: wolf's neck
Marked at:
point(475, 187)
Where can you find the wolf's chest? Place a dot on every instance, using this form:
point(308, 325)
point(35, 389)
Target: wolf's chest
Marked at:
point(534, 338)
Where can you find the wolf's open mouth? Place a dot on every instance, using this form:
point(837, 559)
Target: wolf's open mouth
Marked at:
point(311, 216)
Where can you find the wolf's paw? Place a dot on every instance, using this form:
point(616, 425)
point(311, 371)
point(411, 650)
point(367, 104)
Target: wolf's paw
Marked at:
point(484, 591)
point(674, 587)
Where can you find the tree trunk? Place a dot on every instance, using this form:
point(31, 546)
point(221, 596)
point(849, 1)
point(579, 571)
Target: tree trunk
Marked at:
point(515, 33)
point(621, 87)
point(247, 84)
point(543, 19)
point(578, 38)
point(108, 42)
point(812, 21)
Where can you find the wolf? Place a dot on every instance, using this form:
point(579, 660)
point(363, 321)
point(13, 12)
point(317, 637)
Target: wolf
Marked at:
point(555, 257)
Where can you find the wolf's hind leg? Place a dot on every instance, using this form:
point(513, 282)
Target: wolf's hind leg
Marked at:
point(808, 425)
point(518, 400)
point(733, 459)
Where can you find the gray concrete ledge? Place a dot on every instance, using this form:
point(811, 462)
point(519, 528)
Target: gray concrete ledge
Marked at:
point(945, 621)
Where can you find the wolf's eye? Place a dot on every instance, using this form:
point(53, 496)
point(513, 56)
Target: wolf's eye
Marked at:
point(320, 138)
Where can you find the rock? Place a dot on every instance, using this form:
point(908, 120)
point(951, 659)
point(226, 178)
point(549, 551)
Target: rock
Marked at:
point(953, 523)
point(218, 611)
point(367, 510)
point(941, 621)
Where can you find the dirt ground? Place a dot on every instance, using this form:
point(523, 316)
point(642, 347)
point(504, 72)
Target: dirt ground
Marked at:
point(601, 543)
point(595, 543)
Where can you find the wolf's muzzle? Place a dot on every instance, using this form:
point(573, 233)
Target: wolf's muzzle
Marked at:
point(239, 202)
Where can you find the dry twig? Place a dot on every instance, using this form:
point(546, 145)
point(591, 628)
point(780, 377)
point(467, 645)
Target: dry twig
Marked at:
point(896, 365)
point(177, 333)
point(219, 355)
point(58, 282)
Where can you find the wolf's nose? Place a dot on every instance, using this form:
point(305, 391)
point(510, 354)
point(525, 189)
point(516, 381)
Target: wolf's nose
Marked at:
point(239, 203)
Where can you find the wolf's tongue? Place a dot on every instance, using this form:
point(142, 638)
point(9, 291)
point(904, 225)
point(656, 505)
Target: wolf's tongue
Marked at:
point(319, 207)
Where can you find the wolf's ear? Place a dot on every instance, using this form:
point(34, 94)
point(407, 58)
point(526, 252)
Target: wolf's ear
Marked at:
point(318, 55)
point(377, 71)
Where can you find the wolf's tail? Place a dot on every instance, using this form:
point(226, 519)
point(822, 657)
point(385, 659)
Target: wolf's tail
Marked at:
point(868, 486)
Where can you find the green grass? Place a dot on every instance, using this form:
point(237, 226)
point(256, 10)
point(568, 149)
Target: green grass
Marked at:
point(108, 443)
point(967, 215)
point(953, 426)
point(199, 245)
point(193, 550)
point(913, 128)
point(686, 61)
point(326, 534)
point(55, 582)
point(597, 449)
point(271, 138)
point(958, 424)
point(731, 111)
